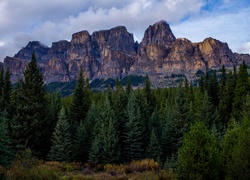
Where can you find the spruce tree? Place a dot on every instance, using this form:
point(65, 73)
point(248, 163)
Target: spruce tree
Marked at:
point(80, 146)
point(29, 122)
point(241, 90)
point(180, 117)
point(6, 152)
point(78, 109)
point(154, 149)
point(208, 114)
point(133, 132)
point(61, 140)
point(198, 157)
point(213, 89)
point(106, 140)
point(1, 89)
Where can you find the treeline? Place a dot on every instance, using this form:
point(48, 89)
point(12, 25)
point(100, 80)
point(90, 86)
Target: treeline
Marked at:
point(199, 132)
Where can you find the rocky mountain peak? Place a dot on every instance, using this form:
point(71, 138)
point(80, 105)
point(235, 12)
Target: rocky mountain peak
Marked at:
point(80, 37)
point(216, 53)
point(33, 46)
point(113, 53)
point(159, 33)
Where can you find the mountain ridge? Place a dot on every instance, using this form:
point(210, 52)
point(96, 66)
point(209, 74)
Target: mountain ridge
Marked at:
point(114, 53)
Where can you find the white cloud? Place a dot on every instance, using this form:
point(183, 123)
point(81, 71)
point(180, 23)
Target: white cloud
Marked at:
point(53, 20)
point(245, 48)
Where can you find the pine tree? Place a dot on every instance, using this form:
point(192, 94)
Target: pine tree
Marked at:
point(241, 90)
point(29, 122)
point(149, 95)
point(208, 114)
point(6, 152)
point(6, 90)
point(106, 140)
point(61, 140)
point(80, 146)
point(167, 134)
point(154, 149)
point(1, 89)
point(180, 117)
point(213, 89)
point(78, 109)
point(229, 96)
point(133, 131)
point(236, 151)
point(198, 156)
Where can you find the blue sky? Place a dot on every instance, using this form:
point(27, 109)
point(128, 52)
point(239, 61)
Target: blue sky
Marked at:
point(53, 20)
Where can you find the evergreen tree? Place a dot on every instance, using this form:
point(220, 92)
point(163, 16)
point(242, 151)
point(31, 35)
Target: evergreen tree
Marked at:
point(241, 90)
point(154, 149)
point(198, 157)
point(167, 134)
point(80, 145)
point(180, 116)
point(61, 140)
point(230, 139)
point(226, 110)
point(133, 131)
point(6, 152)
point(236, 151)
point(78, 109)
point(213, 89)
point(6, 91)
point(29, 122)
point(208, 114)
point(106, 142)
point(95, 151)
point(149, 95)
point(1, 89)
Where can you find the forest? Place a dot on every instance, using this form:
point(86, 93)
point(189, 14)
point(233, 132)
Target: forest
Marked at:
point(182, 132)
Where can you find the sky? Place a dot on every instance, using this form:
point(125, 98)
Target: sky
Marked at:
point(48, 21)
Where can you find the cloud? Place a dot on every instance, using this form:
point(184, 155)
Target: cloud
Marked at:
point(245, 48)
point(231, 26)
point(52, 20)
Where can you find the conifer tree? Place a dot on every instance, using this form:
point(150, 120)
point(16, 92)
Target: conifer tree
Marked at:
point(198, 156)
point(241, 90)
point(213, 89)
point(1, 89)
point(6, 152)
point(154, 149)
point(167, 133)
point(208, 114)
point(149, 95)
point(61, 140)
point(80, 146)
point(29, 121)
point(106, 141)
point(133, 131)
point(78, 109)
point(6, 91)
point(180, 117)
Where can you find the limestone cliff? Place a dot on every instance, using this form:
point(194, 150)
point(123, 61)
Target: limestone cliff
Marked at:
point(113, 53)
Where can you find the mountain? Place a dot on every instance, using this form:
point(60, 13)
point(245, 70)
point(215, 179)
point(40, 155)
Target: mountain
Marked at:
point(114, 53)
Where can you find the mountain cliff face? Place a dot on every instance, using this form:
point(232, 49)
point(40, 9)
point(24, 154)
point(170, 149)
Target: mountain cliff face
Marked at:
point(113, 53)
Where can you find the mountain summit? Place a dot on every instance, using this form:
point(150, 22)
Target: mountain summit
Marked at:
point(113, 53)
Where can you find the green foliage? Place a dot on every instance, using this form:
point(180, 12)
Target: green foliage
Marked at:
point(198, 157)
point(208, 114)
point(29, 122)
point(105, 147)
point(61, 140)
point(235, 150)
point(80, 103)
point(80, 149)
point(241, 90)
point(133, 132)
point(6, 152)
point(154, 149)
